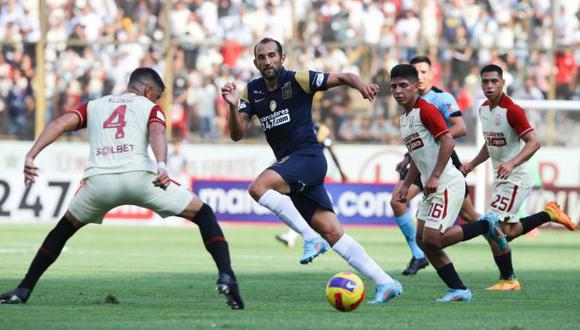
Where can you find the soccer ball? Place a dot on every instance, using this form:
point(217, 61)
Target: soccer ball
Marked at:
point(345, 291)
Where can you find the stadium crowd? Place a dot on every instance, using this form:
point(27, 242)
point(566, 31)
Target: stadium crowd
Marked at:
point(92, 46)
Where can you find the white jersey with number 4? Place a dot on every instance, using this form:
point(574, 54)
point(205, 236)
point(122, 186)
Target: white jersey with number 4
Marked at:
point(420, 129)
point(118, 133)
point(503, 127)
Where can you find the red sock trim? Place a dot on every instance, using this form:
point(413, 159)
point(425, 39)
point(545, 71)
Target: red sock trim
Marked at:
point(214, 239)
point(46, 252)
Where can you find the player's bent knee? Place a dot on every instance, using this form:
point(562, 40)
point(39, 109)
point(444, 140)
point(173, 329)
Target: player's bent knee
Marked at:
point(431, 244)
point(192, 208)
point(256, 190)
point(398, 208)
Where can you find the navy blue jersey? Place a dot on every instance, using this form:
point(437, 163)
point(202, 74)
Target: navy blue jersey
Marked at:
point(285, 113)
point(444, 102)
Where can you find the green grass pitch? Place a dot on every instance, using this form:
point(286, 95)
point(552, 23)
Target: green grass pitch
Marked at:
point(164, 279)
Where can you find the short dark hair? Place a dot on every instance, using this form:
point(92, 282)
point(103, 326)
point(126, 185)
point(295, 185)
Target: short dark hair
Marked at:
point(420, 59)
point(145, 76)
point(491, 68)
point(267, 40)
point(405, 71)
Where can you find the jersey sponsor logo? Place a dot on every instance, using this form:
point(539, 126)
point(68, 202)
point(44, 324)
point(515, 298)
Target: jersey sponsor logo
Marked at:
point(319, 79)
point(273, 105)
point(413, 142)
point(260, 100)
point(258, 92)
point(493, 139)
point(286, 91)
point(118, 149)
point(275, 119)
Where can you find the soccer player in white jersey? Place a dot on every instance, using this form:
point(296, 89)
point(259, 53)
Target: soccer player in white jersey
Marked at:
point(119, 172)
point(453, 117)
point(510, 142)
point(430, 144)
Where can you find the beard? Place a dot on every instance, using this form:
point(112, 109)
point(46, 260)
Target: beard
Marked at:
point(270, 73)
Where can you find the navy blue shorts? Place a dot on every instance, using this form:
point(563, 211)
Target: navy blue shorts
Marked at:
point(304, 171)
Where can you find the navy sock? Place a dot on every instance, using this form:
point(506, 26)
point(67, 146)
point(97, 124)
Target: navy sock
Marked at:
point(504, 263)
point(534, 221)
point(474, 229)
point(448, 274)
point(213, 239)
point(48, 252)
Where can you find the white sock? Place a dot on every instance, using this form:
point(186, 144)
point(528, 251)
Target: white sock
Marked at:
point(356, 256)
point(283, 207)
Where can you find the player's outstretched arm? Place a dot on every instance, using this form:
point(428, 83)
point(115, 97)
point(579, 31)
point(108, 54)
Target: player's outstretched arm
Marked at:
point(237, 122)
point(368, 91)
point(532, 145)
point(158, 144)
point(67, 122)
point(481, 157)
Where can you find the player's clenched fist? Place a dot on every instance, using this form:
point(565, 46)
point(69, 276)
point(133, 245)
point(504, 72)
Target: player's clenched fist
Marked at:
point(466, 168)
point(231, 94)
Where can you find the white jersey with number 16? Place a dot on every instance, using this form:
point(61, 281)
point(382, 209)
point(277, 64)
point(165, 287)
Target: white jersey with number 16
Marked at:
point(118, 133)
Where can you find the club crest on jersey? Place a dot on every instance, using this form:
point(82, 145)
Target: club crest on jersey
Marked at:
point(273, 105)
point(319, 79)
point(286, 91)
point(497, 120)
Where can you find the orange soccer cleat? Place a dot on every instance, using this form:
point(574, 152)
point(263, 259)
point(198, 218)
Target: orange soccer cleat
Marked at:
point(557, 215)
point(506, 285)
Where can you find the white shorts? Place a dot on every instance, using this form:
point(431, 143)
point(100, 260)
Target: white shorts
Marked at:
point(506, 200)
point(100, 193)
point(440, 209)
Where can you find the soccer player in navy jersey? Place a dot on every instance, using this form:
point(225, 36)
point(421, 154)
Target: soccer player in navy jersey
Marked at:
point(447, 106)
point(282, 101)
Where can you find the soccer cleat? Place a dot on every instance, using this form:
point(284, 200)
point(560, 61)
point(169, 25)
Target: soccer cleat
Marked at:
point(415, 265)
point(230, 289)
point(494, 230)
point(284, 239)
point(557, 215)
point(313, 248)
point(506, 285)
point(456, 295)
point(387, 292)
point(16, 296)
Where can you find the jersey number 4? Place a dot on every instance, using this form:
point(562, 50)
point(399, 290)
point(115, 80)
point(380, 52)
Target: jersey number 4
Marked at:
point(117, 120)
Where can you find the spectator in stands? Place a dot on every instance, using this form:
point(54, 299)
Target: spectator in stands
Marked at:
point(20, 106)
point(566, 75)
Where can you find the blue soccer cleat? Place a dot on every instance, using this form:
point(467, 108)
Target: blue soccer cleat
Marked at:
point(456, 295)
point(494, 230)
point(387, 292)
point(313, 248)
